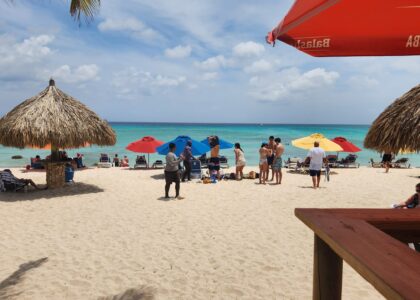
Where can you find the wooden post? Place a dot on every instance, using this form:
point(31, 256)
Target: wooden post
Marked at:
point(328, 272)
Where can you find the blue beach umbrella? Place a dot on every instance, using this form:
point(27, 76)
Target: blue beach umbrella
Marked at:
point(223, 144)
point(197, 148)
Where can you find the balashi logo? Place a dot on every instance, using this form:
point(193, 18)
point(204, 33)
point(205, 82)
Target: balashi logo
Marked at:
point(413, 41)
point(313, 44)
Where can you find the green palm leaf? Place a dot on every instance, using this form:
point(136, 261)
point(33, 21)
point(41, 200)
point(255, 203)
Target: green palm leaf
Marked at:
point(88, 8)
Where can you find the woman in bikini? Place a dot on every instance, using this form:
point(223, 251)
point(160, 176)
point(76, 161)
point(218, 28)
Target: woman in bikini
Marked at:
point(240, 161)
point(264, 152)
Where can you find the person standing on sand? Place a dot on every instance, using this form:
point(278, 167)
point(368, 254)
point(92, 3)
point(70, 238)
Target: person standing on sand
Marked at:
point(270, 157)
point(214, 163)
point(264, 152)
point(386, 160)
point(278, 161)
point(187, 153)
point(172, 171)
point(240, 161)
point(317, 157)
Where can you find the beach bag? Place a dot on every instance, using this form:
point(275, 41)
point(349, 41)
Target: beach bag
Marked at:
point(206, 180)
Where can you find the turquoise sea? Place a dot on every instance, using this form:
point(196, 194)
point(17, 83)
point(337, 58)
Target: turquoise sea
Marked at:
point(249, 135)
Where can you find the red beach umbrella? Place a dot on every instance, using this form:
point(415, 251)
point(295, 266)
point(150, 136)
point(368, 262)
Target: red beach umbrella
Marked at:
point(351, 27)
point(147, 144)
point(346, 145)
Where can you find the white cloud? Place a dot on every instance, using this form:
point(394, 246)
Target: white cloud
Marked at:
point(362, 81)
point(210, 76)
point(406, 64)
point(132, 80)
point(80, 74)
point(258, 66)
point(23, 60)
point(178, 52)
point(248, 49)
point(313, 79)
point(133, 27)
point(29, 50)
point(290, 83)
point(214, 63)
point(35, 46)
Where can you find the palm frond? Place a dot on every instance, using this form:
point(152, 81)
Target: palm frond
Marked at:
point(88, 8)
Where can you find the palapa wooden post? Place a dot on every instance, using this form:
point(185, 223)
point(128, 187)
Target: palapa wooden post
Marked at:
point(55, 170)
point(328, 272)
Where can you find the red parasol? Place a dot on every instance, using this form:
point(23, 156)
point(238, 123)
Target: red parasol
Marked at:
point(147, 144)
point(346, 145)
point(351, 27)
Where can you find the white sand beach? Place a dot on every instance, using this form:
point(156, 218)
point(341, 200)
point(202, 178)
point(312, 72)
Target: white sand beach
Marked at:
point(111, 231)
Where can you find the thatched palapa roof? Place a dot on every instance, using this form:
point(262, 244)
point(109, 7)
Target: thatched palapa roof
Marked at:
point(397, 127)
point(52, 117)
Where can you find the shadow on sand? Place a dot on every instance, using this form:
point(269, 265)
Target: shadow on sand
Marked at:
point(158, 176)
point(75, 189)
point(139, 293)
point(6, 286)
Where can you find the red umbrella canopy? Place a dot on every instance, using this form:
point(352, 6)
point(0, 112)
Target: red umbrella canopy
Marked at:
point(346, 145)
point(351, 27)
point(147, 144)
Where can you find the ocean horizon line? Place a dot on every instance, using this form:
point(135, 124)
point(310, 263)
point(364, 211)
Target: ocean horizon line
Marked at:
point(225, 123)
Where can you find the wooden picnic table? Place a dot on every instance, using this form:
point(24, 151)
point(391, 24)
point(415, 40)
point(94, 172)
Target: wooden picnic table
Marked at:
point(373, 242)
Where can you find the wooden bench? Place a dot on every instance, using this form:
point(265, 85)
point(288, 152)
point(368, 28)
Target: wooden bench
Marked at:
point(371, 241)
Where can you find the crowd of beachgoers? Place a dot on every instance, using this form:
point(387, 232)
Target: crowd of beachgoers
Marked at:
point(185, 166)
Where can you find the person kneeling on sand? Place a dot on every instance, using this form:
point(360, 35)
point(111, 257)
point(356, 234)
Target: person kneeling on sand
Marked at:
point(9, 179)
point(172, 171)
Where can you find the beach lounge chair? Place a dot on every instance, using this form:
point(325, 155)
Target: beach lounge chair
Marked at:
point(104, 161)
point(375, 164)
point(293, 162)
point(8, 184)
point(141, 162)
point(158, 164)
point(349, 161)
point(36, 164)
point(224, 162)
point(196, 172)
point(332, 161)
point(297, 165)
point(401, 163)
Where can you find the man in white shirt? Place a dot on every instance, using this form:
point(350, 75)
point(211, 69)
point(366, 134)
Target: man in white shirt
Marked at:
point(317, 157)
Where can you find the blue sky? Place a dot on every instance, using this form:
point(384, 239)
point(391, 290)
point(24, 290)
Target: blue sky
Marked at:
point(189, 61)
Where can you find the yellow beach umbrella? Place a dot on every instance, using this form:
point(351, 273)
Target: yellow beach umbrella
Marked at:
point(324, 143)
point(406, 151)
